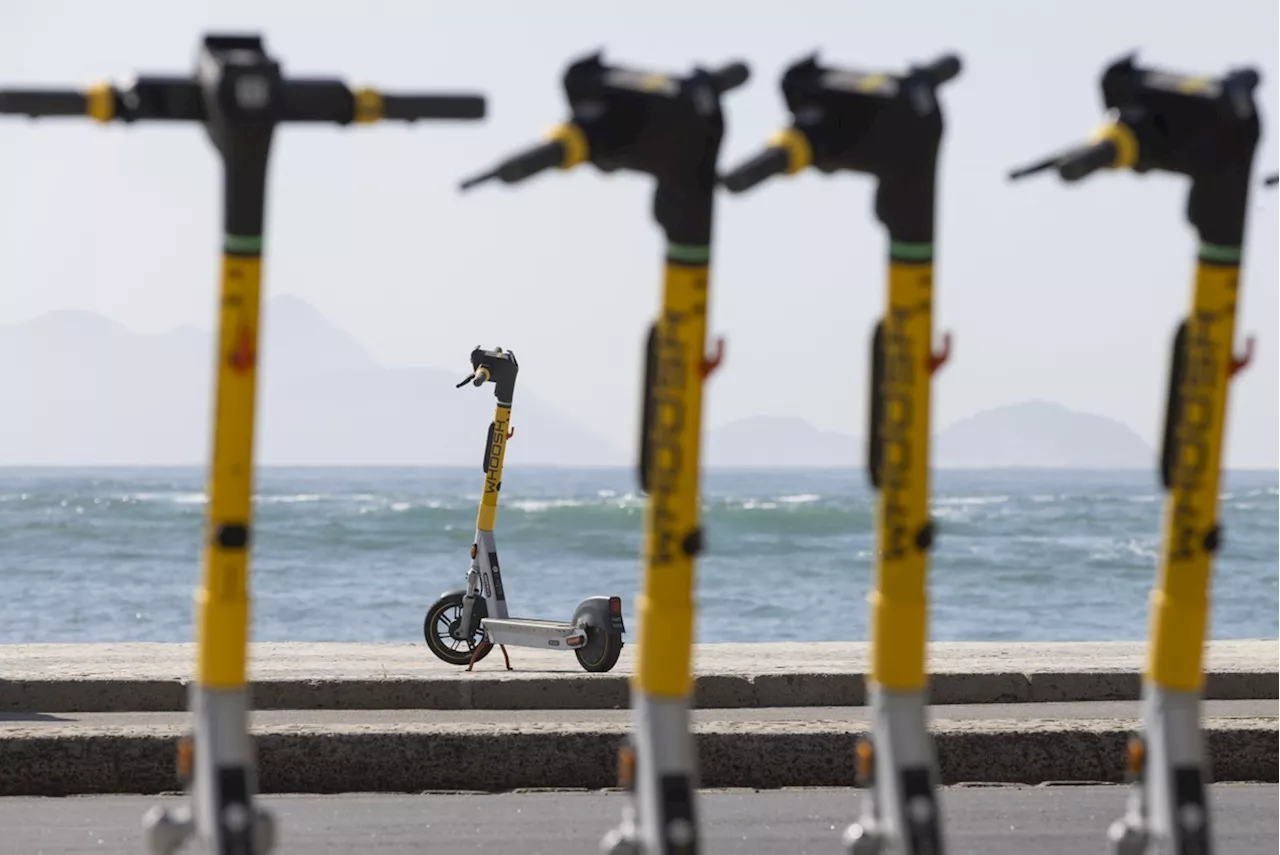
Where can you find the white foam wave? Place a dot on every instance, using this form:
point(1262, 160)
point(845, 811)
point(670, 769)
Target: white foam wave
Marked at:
point(799, 499)
point(534, 506)
point(971, 500)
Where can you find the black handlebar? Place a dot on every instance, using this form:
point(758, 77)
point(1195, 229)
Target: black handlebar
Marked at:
point(768, 163)
point(730, 77)
point(475, 378)
point(942, 69)
point(43, 102)
point(521, 166)
point(1086, 160)
point(552, 153)
point(1075, 164)
point(806, 83)
point(301, 100)
point(1271, 180)
point(410, 108)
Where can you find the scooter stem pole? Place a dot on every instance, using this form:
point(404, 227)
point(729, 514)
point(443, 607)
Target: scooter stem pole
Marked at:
point(889, 127)
point(239, 95)
point(902, 815)
point(1207, 130)
point(662, 684)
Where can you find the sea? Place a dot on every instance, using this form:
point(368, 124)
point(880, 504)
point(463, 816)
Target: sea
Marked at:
point(359, 554)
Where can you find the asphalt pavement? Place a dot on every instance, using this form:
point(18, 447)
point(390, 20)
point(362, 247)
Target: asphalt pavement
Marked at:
point(996, 820)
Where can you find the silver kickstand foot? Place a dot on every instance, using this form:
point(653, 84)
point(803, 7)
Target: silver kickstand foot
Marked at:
point(862, 838)
point(622, 840)
point(166, 831)
point(1127, 836)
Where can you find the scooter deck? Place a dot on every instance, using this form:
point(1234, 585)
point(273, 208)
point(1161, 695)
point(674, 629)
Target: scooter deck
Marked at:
point(530, 624)
point(527, 632)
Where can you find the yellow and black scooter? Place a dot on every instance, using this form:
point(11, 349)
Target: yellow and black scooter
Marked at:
point(890, 127)
point(462, 626)
point(1206, 129)
point(239, 93)
point(670, 128)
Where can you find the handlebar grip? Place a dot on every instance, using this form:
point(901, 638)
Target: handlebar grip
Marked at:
point(546, 156)
point(317, 101)
point(1086, 160)
point(942, 69)
point(410, 108)
point(44, 102)
point(770, 162)
point(731, 76)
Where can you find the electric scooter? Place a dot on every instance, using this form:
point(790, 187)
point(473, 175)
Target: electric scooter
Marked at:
point(890, 127)
point(239, 93)
point(1207, 130)
point(670, 128)
point(462, 626)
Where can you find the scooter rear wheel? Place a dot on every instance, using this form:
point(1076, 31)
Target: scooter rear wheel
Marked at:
point(601, 651)
point(442, 627)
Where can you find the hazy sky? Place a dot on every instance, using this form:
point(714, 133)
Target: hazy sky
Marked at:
point(1069, 294)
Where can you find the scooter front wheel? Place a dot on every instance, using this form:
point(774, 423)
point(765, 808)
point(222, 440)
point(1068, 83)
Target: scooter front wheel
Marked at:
point(442, 629)
point(601, 651)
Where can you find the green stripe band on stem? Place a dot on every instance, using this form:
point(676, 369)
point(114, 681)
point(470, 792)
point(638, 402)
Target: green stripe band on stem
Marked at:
point(1219, 253)
point(242, 244)
point(688, 254)
point(903, 251)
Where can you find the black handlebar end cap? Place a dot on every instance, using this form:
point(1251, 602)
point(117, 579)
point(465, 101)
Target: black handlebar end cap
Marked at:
point(731, 76)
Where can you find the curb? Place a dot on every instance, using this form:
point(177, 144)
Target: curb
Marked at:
point(583, 691)
point(415, 758)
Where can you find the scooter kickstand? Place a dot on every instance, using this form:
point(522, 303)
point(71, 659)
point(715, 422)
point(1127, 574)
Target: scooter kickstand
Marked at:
point(476, 650)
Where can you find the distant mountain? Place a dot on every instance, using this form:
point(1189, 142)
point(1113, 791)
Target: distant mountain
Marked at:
point(1034, 434)
point(79, 389)
point(775, 441)
point(1043, 435)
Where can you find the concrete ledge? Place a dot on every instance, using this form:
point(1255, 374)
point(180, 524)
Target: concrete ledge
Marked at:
point(153, 677)
point(44, 761)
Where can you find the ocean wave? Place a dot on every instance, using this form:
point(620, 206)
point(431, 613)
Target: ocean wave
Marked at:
point(169, 498)
point(361, 562)
point(970, 500)
point(534, 506)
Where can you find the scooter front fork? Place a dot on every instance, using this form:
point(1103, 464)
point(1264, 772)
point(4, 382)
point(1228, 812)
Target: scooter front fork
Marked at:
point(900, 813)
point(223, 785)
point(469, 602)
point(1168, 811)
